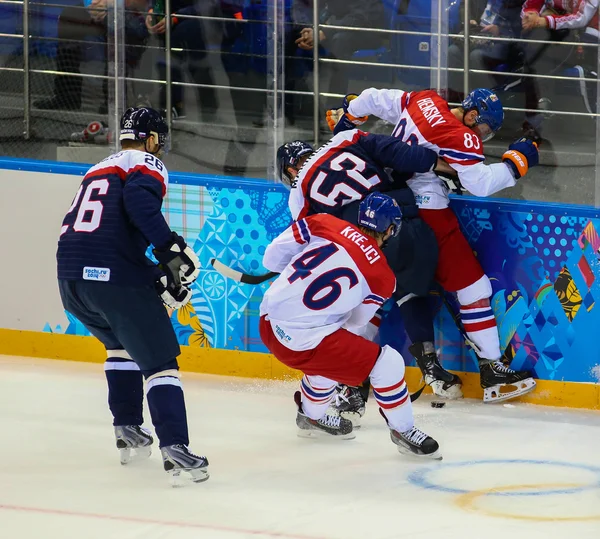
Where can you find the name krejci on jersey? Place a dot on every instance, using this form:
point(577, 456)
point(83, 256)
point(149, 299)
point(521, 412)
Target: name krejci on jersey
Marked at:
point(431, 112)
point(371, 254)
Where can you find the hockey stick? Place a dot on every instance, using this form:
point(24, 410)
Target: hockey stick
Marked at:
point(458, 323)
point(240, 277)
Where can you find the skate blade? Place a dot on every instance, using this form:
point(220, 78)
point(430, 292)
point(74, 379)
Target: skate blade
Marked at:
point(353, 417)
point(495, 394)
point(452, 393)
point(319, 434)
point(180, 477)
point(138, 454)
point(436, 455)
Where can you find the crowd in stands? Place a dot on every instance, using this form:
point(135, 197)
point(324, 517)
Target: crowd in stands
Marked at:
point(523, 37)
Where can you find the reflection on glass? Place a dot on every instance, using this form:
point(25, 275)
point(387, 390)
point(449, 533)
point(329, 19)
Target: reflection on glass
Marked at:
point(215, 79)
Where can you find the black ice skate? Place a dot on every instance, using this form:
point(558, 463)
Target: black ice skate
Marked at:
point(495, 377)
point(414, 442)
point(443, 383)
point(349, 404)
point(332, 424)
point(133, 437)
point(178, 458)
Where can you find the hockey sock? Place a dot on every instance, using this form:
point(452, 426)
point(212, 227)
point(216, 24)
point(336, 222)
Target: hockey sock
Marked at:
point(417, 319)
point(317, 394)
point(390, 391)
point(167, 405)
point(480, 325)
point(125, 388)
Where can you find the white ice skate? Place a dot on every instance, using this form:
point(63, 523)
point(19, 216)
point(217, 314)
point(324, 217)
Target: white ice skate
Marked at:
point(133, 438)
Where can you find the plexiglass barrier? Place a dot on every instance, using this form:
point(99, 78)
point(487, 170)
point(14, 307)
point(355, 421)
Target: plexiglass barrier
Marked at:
point(237, 78)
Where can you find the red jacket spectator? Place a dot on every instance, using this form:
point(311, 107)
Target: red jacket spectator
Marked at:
point(568, 14)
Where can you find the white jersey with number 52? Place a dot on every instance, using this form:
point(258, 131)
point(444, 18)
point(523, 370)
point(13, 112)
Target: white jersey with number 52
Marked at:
point(424, 118)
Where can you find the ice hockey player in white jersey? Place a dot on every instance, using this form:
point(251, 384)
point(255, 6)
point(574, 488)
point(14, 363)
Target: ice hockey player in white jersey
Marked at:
point(457, 135)
point(333, 278)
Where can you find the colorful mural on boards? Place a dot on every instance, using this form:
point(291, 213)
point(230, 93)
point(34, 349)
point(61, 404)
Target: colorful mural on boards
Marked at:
point(543, 261)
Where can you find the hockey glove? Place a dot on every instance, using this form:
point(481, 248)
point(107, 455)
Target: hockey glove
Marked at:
point(341, 120)
point(172, 295)
point(521, 156)
point(178, 261)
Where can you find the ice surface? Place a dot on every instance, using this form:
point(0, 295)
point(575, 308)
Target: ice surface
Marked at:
point(60, 474)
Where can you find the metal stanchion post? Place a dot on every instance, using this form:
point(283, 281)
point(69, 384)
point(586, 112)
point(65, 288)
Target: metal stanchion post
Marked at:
point(597, 178)
point(466, 50)
point(438, 81)
point(26, 88)
point(168, 95)
point(316, 89)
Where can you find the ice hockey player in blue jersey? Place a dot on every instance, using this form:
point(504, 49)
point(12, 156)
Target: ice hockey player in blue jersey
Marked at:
point(108, 283)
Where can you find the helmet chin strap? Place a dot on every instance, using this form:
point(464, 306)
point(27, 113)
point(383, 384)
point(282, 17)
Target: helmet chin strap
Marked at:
point(155, 152)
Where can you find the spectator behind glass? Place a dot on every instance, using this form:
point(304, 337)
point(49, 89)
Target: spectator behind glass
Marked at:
point(553, 20)
point(497, 18)
point(78, 28)
point(340, 44)
point(188, 35)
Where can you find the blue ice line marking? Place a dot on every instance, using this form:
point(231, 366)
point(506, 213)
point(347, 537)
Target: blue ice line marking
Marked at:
point(420, 477)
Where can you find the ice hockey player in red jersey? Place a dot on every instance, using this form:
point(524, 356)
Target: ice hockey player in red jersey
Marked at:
point(333, 278)
point(457, 135)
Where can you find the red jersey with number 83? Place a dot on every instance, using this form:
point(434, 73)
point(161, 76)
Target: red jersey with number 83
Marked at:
point(424, 118)
point(332, 276)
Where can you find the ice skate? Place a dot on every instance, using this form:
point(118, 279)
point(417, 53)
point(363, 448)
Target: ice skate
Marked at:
point(332, 424)
point(443, 383)
point(349, 404)
point(501, 383)
point(136, 438)
point(416, 443)
point(178, 458)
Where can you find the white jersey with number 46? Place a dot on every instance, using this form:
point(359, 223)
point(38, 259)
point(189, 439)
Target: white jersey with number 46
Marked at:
point(332, 277)
point(424, 118)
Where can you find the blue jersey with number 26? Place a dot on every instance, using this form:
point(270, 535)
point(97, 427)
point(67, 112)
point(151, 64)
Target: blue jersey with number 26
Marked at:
point(114, 216)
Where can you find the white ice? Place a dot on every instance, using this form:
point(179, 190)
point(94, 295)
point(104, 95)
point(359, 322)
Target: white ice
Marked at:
point(60, 475)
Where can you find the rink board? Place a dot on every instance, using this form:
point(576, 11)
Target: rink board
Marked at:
point(543, 260)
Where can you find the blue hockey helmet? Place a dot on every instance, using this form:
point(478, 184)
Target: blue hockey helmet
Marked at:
point(289, 155)
point(490, 113)
point(378, 212)
point(140, 123)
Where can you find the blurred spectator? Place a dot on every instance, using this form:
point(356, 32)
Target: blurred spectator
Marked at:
point(553, 20)
point(340, 44)
point(78, 29)
point(188, 35)
point(497, 18)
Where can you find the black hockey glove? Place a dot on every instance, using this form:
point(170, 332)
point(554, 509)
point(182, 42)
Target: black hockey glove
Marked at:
point(172, 295)
point(178, 261)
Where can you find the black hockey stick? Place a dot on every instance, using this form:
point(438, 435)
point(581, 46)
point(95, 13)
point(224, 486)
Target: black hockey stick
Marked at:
point(458, 323)
point(240, 277)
